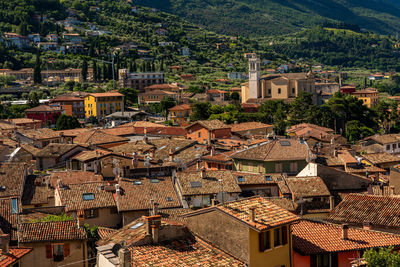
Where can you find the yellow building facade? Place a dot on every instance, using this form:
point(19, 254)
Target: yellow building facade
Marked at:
point(103, 104)
point(368, 96)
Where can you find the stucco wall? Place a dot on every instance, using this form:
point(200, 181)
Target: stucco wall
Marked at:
point(225, 232)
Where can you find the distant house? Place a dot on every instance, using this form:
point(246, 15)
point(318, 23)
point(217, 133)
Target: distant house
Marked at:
point(179, 114)
point(389, 143)
point(249, 129)
point(56, 154)
point(316, 242)
point(276, 156)
point(217, 95)
point(62, 242)
point(206, 131)
point(188, 77)
point(52, 37)
point(156, 96)
point(369, 96)
point(38, 138)
point(73, 38)
point(34, 37)
point(16, 40)
point(47, 114)
point(185, 51)
point(197, 189)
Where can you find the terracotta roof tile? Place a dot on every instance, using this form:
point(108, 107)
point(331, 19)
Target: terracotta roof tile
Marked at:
point(180, 107)
point(39, 134)
point(136, 196)
point(14, 255)
point(45, 108)
point(91, 155)
point(51, 231)
point(267, 214)
point(12, 177)
point(211, 125)
point(106, 94)
point(285, 203)
point(97, 137)
point(55, 150)
point(245, 178)
point(74, 177)
point(129, 148)
point(22, 121)
point(285, 149)
point(246, 126)
point(8, 219)
point(220, 157)
point(307, 187)
point(188, 252)
point(385, 138)
point(73, 196)
point(191, 183)
point(380, 211)
point(104, 232)
point(311, 237)
point(309, 126)
point(380, 158)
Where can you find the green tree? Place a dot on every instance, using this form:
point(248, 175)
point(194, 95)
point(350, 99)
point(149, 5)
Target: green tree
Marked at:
point(37, 74)
point(200, 111)
point(65, 122)
point(95, 75)
point(166, 104)
point(84, 71)
point(355, 131)
point(301, 108)
point(33, 99)
point(131, 95)
point(384, 257)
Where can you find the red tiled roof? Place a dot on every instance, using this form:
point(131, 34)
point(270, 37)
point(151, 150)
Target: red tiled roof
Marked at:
point(216, 91)
point(98, 137)
point(44, 108)
point(380, 211)
point(181, 253)
point(107, 94)
point(51, 231)
point(211, 125)
point(311, 237)
point(246, 126)
point(12, 178)
point(8, 219)
point(15, 254)
point(137, 196)
point(180, 107)
point(267, 214)
point(74, 177)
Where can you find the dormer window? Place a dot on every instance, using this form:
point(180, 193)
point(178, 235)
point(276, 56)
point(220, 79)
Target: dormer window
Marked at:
point(88, 196)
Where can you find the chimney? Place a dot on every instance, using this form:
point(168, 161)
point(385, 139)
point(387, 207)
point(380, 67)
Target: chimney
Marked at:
point(124, 256)
point(198, 165)
point(154, 208)
point(345, 231)
point(155, 233)
point(213, 202)
point(118, 189)
point(170, 155)
point(212, 151)
point(81, 218)
point(4, 243)
point(331, 202)
point(253, 214)
point(60, 183)
point(366, 225)
point(151, 153)
point(203, 173)
point(391, 190)
point(335, 153)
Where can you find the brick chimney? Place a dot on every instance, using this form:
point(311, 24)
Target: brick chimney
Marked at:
point(345, 231)
point(170, 155)
point(331, 202)
point(118, 189)
point(80, 220)
point(155, 232)
point(152, 227)
point(4, 243)
point(124, 256)
point(391, 190)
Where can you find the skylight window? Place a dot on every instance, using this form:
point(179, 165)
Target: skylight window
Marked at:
point(137, 225)
point(137, 182)
point(169, 199)
point(161, 148)
point(195, 184)
point(88, 196)
point(154, 181)
point(284, 143)
point(14, 206)
point(268, 178)
point(241, 179)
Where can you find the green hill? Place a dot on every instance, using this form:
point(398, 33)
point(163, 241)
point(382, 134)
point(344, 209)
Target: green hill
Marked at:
point(265, 17)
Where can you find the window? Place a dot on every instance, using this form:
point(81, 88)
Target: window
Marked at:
point(250, 168)
point(279, 90)
point(199, 134)
point(14, 206)
point(277, 237)
point(269, 91)
point(387, 147)
point(241, 179)
point(278, 167)
point(394, 146)
point(264, 241)
point(57, 251)
point(293, 167)
point(91, 213)
point(293, 90)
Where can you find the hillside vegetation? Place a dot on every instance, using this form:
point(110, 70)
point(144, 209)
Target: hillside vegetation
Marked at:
point(265, 17)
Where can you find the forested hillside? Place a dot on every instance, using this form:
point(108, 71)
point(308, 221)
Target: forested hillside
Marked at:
point(264, 17)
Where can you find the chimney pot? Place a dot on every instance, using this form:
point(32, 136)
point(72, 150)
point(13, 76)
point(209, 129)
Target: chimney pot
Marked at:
point(345, 231)
point(203, 173)
point(253, 214)
point(213, 202)
point(81, 219)
point(155, 233)
point(392, 190)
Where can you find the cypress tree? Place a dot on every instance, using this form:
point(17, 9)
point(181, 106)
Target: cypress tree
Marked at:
point(84, 70)
point(37, 74)
point(109, 72)
point(95, 77)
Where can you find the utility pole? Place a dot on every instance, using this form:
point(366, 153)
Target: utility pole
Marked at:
point(112, 66)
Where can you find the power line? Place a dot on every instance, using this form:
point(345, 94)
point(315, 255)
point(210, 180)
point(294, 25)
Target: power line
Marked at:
point(76, 262)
